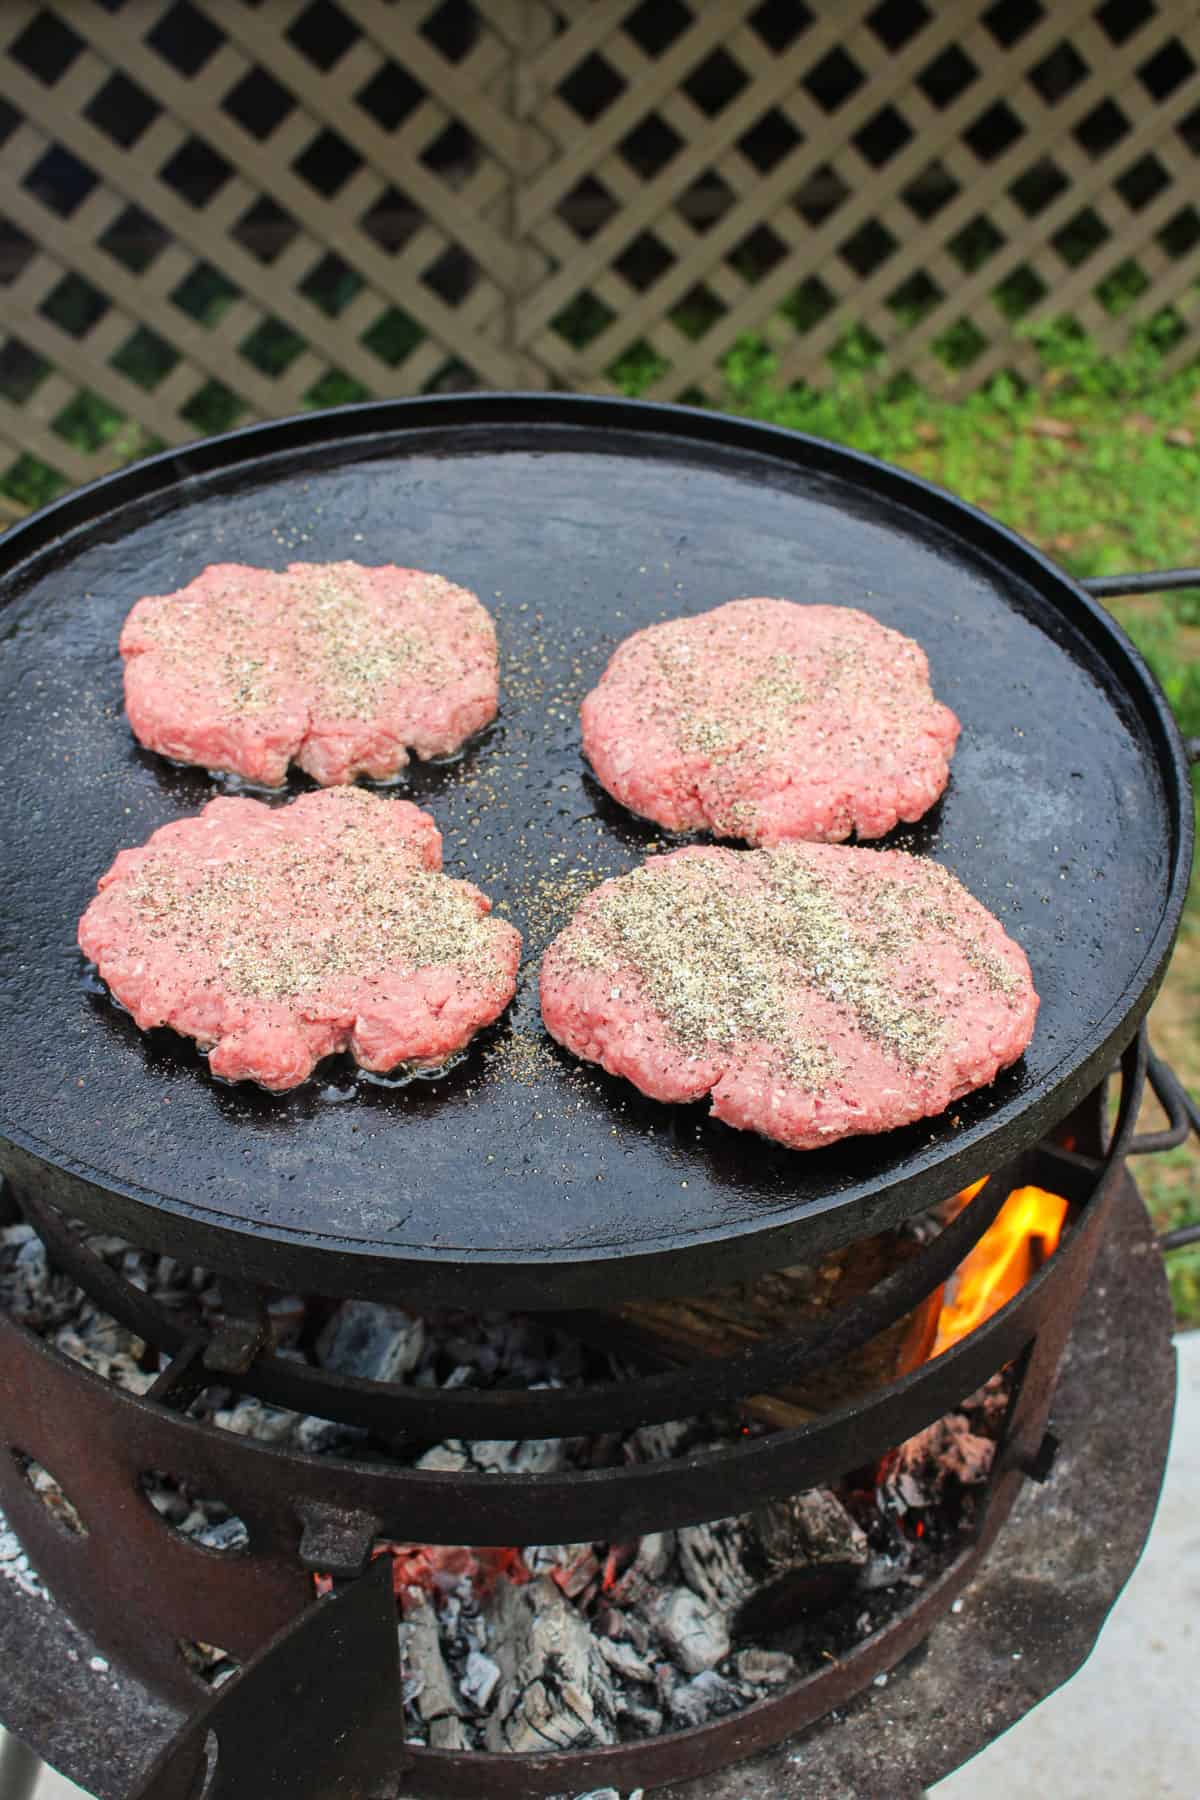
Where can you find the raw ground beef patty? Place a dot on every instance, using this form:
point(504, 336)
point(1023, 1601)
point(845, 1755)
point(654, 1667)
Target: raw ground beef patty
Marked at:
point(814, 991)
point(768, 721)
point(339, 668)
point(278, 935)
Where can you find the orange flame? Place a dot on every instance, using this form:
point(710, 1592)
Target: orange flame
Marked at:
point(1023, 1235)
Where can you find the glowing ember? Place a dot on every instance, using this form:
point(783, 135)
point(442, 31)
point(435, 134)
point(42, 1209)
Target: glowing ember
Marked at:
point(432, 1568)
point(1024, 1234)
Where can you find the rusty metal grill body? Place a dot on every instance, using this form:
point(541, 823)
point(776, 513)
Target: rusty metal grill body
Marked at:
point(1069, 813)
point(138, 1588)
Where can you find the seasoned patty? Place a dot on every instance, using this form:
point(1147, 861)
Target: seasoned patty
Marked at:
point(815, 991)
point(275, 936)
point(769, 722)
point(339, 668)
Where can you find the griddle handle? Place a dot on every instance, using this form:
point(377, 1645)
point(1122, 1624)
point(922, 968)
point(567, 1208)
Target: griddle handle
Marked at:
point(1157, 581)
point(1183, 1115)
point(1154, 581)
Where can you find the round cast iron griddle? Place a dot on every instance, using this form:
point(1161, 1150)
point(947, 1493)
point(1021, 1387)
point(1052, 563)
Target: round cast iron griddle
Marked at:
point(522, 1177)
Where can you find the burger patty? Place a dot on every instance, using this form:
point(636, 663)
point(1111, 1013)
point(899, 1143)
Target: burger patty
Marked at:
point(275, 936)
point(770, 722)
point(814, 991)
point(338, 668)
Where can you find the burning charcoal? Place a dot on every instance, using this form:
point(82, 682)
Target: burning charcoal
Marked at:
point(923, 1466)
point(610, 1622)
point(100, 1344)
point(33, 1292)
point(658, 1443)
point(651, 1560)
point(654, 1555)
point(764, 1668)
point(137, 1267)
point(625, 1660)
point(15, 1565)
point(375, 1343)
point(639, 1584)
point(230, 1534)
point(715, 1562)
point(812, 1553)
point(436, 1699)
point(451, 1457)
point(555, 1692)
point(885, 1571)
point(213, 1665)
point(694, 1634)
point(706, 1697)
point(480, 1680)
point(448, 1734)
point(811, 1528)
point(529, 1456)
point(470, 1355)
point(325, 1437)
point(543, 1559)
point(646, 1720)
point(286, 1313)
point(253, 1418)
point(109, 1249)
point(579, 1573)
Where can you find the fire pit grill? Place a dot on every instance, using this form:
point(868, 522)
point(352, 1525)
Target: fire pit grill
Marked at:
point(1113, 1408)
point(522, 1179)
point(141, 1590)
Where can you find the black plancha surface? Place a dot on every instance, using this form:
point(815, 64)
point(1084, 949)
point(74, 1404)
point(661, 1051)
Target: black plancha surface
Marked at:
point(522, 1177)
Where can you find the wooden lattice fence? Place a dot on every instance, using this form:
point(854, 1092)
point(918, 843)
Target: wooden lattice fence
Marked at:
point(215, 210)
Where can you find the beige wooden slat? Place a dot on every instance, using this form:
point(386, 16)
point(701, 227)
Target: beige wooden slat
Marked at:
point(143, 298)
point(328, 221)
point(25, 433)
point(1090, 181)
point(530, 150)
point(657, 78)
point(229, 204)
point(87, 364)
point(459, 86)
point(817, 250)
point(1178, 286)
point(961, 290)
point(189, 227)
point(590, 29)
point(973, 290)
point(656, 196)
point(253, 32)
point(824, 138)
point(982, 191)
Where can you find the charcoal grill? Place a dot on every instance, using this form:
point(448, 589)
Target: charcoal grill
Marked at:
point(520, 1179)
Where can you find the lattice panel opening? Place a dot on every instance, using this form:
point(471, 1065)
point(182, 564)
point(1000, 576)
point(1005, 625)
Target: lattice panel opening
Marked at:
point(216, 213)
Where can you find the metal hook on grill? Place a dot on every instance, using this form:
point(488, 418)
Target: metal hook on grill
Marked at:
point(1183, 1115)
point(330, 1683)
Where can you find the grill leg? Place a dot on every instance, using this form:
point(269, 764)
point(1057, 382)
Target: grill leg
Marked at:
point(19, 1769)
